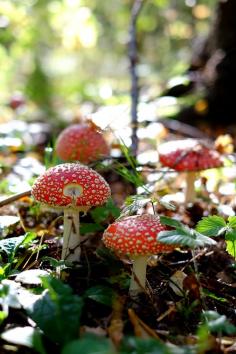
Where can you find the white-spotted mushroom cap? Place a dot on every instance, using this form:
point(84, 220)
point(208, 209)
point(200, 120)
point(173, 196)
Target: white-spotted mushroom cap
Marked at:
point(136, 235)
point(71, 185)
point(81, 142)
point(188, 155)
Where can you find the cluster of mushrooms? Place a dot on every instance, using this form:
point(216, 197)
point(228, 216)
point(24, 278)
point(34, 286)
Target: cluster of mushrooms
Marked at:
point(74, 187)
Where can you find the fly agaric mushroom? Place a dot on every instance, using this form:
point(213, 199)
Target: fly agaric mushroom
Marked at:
point(191, 156)
point(71, 187)
point(81, 142)
point(137, 237)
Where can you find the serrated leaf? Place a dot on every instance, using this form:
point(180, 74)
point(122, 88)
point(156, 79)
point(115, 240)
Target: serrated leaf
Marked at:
point(181, 238)
point(171, 222)
point(91, 344)
point(57, 312)
point(230, 239)
point(232, 222)
point(102, 294)
point(167, 205)
point(212, 225)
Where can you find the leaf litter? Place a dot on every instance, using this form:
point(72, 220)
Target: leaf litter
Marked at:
point(189, 303)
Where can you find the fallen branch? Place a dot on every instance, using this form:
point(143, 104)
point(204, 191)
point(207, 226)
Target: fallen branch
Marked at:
point(15, 197)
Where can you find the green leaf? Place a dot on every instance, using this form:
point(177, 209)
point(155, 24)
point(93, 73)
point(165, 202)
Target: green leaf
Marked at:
point(90, 344)
point(29, 237)
point(167, 205)
point(232, 222)
point(133, 345)
point(87, 228)
point(230, 239)
point(53, 261)
point(181, 238)
point(3, 316)
point(100, 214)
point(11, 245)
point(133, 203)
point(28, 336)
point(218, 323)
point(171, 222)
point(214, 296)
point(57, 312)
point(102, 294)
point(212, 225)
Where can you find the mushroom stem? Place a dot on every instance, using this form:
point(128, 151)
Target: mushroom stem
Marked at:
point(190, 193)
point(138, 279)
point(71, 237)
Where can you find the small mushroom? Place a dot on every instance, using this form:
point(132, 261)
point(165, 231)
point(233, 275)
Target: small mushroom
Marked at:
point(71, 187)
point(137, 237)
point(81, 142)
point(190, 156)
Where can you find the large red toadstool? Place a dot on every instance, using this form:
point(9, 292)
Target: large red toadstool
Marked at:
point(73, 188)
point(137, 237)
point(81, 142)
point(191, 156)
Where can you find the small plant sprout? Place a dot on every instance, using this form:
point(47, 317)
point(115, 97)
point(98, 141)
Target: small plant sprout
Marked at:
point(135, 236)
point(72, 188)
point(81, 142)
point(190, 156)
point(214, 225)
point(182, 235)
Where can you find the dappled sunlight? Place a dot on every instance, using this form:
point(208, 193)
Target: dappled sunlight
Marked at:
point(118, 176)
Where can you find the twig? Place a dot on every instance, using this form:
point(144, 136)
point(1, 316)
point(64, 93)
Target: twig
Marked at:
point(141, 329)
point(133, 58)
point(183, 129)
point(15, 197)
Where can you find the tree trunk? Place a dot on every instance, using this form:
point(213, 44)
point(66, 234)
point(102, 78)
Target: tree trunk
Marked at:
point(215, 63)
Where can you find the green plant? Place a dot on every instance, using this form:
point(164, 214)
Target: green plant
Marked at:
point(57, 312)
point(100, 216)
point(214, 225)
point(182, 235)
point(129, 170)
point(9, 248)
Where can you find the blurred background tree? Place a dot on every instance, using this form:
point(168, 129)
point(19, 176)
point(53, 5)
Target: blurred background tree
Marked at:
point(64, 53)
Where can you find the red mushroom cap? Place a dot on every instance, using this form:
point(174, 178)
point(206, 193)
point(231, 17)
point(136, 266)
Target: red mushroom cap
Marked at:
point(136, 235)
point(71, 185)
point(188, 155)
point(17, 100)
point(82, 142)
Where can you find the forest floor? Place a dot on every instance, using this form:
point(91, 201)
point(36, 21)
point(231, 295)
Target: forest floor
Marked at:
point(91, 301)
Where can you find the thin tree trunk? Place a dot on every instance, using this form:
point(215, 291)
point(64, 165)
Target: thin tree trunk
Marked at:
point(133, 58)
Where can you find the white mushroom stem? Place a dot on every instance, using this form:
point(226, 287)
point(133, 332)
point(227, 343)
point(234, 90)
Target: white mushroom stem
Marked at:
point(138, 279)
point(71, 237)
point(190, 193)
